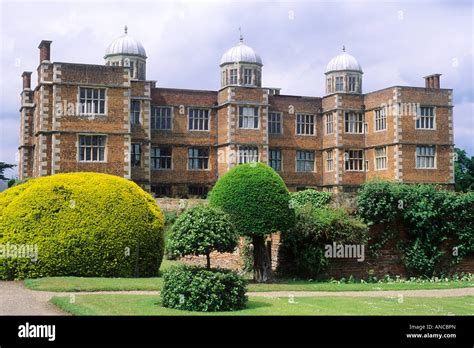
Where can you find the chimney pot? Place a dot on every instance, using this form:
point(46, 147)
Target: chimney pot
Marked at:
point(45, 50)
point(432, 81)
point(26, 79)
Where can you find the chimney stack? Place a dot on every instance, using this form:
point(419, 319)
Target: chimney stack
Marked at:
point(45, 51)
point(432, 81)
point(26, 79)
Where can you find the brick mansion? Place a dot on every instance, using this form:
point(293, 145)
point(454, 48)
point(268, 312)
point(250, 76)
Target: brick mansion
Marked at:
point(177, 142)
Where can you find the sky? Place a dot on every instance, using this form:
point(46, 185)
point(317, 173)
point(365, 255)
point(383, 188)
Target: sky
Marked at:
point(396, 43)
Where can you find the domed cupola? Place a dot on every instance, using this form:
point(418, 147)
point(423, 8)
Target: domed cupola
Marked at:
point(343, 74)
point(241, 66)
point(126, 51)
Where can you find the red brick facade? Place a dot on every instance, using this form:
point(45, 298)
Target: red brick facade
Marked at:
point(54, 131)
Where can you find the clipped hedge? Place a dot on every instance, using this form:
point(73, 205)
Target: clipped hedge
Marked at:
point(316, 199)
point(197, 289)
point(302, 248)
point(83, 224)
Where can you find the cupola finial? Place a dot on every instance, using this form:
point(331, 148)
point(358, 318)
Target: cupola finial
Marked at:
point(241, 36)
point(343, 48)
point(125, 29)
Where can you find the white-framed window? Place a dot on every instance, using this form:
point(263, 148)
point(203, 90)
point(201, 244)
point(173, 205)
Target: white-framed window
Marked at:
point(248, 76)
point(426, 157)
point(329, 85)
point(91, 101)
point(426, 118)
point(92, 148)
point(354, 160)
point(136, 158)
point(304, 161)
point(224, 78)
point(339, 84)
point(329, 123)
point(354, 122)
point(161, 157)
point(305, 124)
point(198, 119)
point(248, 117)
point(274, 123)
point(274, 159)
point(161, 117)
point(248, 154)
point(233, 76)
point(380, 120)
point(381, 158)
point(352, 83)
point(329, 160)
point(198, 158)
point(134, 111)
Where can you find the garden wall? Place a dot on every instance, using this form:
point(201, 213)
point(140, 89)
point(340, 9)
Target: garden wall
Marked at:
point(387, 262)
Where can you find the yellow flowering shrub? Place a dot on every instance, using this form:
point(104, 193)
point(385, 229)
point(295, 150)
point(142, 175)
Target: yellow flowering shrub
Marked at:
point(79, 224)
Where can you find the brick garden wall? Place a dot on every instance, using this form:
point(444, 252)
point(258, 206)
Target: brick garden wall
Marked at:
point(387, 262)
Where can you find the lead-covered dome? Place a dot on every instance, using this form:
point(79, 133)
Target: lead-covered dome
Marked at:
point(343, 62)
point(241, 54)
point(125, 45)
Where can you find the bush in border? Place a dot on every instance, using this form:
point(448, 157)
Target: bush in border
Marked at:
point(198, 289)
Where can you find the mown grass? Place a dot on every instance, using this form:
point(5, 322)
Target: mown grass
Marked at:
point(151, 305)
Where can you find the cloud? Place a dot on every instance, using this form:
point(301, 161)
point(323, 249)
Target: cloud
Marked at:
point(397, 43)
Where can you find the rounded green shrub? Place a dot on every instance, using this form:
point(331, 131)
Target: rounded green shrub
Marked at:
point(316, 199)
point(201, 230)
point(255, 197)
point(81, 224)
point(258, 202)
point(198, 289)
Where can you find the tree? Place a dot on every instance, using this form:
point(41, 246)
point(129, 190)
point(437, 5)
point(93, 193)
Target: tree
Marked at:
point(201, 230)
point(463, 171)
point(3, 167)
point(258, 202)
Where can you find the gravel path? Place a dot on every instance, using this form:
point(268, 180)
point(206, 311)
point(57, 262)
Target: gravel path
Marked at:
point(15, 299)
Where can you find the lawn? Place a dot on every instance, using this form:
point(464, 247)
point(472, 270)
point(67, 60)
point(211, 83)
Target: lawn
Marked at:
point(76, 284)
point(151, 305)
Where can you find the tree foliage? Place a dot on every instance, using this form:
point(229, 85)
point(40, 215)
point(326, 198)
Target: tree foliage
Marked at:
point(201, 230)
point(4, 166)
point(435, 221)
point(258, 202)
point(463, 171)
point(316, 199)
point(302, 248)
